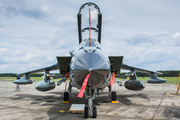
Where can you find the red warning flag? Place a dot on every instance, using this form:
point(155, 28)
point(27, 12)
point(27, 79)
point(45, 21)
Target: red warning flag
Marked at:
point(112, 81)
point(67, 75)
point(81, 92)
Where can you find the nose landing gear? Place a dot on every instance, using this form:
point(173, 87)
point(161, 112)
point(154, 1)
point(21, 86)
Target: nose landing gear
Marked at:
point(90, 110)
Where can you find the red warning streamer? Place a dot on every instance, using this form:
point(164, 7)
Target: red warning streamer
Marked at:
point(112, 81)
point(81, 92)
point(89, 23)
point(67, 75)
point(89, 27)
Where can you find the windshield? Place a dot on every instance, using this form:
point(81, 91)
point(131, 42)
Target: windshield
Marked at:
point(89, 43)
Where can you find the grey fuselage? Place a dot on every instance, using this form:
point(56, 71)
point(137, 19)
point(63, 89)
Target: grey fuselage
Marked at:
point(90, 58)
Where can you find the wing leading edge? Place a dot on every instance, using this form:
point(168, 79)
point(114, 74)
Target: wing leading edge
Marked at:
point(62, 65)
point(127, 67)
point(153, 74)
point(50, 68)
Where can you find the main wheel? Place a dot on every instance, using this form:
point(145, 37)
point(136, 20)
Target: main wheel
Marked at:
point(94, 112)
point(66, 96)
point(85, 112)
point(113, 96)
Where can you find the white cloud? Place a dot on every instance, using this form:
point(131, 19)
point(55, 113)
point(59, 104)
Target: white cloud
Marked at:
point(176, 36)
point(176, 39)
point(29, 8)
point(45, 8)
point(33, 33)
point(66, 20)
point(34, 64)
point(28, 56)
point(3, 49)
point(111, 18)
point(1, 30)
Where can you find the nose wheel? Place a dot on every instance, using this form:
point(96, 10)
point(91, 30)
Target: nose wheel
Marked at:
point(86, 112)
point(90, 110)
point(94, 112)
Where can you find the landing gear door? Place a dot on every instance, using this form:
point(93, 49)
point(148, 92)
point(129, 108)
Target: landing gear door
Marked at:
point(116, 62)
point(64, 64)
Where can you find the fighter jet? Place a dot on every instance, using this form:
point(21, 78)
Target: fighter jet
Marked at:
point(89, 68)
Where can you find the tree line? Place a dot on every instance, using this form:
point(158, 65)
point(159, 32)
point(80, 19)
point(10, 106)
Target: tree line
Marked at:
point(167, 73)
point(32, 75)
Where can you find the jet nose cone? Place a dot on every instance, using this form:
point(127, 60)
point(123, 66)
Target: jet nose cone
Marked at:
point(90, 61)
point(97, 63)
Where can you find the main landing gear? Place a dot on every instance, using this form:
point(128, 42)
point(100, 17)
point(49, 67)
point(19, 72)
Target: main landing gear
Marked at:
point(90, 110)
point(112, 95)
point(67, 95)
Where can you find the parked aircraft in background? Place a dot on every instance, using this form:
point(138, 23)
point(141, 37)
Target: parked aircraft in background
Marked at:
point(89, 69)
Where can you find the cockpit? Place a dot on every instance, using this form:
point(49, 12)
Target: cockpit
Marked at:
point(89, 44)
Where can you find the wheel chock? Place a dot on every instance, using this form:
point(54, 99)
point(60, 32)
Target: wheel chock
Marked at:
point(114, 101)
point(65, 101)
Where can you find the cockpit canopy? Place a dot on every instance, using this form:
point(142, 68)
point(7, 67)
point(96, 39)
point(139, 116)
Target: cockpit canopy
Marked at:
point(89, 44)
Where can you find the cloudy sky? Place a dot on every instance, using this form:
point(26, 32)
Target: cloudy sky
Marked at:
point(34, 32)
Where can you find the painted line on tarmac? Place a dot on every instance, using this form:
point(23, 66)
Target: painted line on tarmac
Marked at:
point(24, 107)
point(114, 115)
point(147, 117)
point(41, 109)
point(169, 93)
point(157, 118)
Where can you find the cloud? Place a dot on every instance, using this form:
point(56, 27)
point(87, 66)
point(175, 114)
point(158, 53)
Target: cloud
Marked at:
point(176, 39)
point(3, 49)
point(111, 18)
point(33, 33)
point(29, 8)
point(145, 37)
point(66, 20)
point(143, 49)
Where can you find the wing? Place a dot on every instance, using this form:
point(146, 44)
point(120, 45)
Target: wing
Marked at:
point(62, 65)
point(153, 74)
point(127, 67)
point(50, 68)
